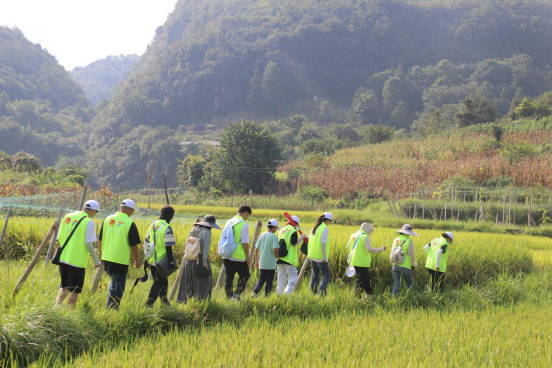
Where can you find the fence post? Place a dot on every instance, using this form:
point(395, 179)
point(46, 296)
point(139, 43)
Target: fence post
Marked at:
point(53, 241)
point(5, 227)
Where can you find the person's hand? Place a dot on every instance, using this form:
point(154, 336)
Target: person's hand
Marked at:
point(257, 264)
point(324, 261)
point(384, 248)
point(248, 260)
point(413, 269)
point(437, 268)
point(137, 263)
point(205, 265)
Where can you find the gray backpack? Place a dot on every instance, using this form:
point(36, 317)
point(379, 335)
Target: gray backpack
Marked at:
point(397, 255)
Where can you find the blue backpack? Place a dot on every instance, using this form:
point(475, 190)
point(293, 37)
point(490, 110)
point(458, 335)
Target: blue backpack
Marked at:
point(227, 244)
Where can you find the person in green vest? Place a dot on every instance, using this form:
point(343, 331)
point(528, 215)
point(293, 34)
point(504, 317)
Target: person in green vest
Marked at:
point(119, 237)
point(164, 243)
point(266, 256)
point(404, 270)
point(287, 266)
point(437, 255)
point(239, 261)
point(360, 253)
point(319, 253)
point(74, 257)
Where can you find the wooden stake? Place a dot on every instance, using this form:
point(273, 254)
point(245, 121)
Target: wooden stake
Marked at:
point(83, 195)
point(252, 245)
point(34, 261)
point(221, 277)
point(179, 274)
point(2, 236)
point(97, 278)
point(302, 272)
point(53, 241)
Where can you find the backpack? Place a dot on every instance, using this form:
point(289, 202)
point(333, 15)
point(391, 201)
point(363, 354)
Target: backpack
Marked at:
point(149, 242)
point(192, 249)
point(397, 254)
point(282, 251)
point(227, 244)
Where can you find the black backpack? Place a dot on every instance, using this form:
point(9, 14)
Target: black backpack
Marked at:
point(283, 251)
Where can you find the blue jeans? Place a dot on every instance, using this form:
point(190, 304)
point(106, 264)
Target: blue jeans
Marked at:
point(318, 267)
point(406, 274)
point(116, 290)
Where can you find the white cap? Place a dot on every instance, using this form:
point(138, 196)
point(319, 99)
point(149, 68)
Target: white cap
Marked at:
point(328, 216)
point(128, 203)
point(295, 218)
point(448, 234)
point(92, 205)
point(273, 222)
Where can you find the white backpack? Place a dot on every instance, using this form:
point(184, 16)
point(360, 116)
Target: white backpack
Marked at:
point(397, 253)
point(227, 244)
point(149, 242)
point(192, 249)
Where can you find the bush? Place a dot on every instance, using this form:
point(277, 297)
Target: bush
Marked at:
point(313, 193)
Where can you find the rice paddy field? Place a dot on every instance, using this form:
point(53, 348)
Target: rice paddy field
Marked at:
point(494, 311)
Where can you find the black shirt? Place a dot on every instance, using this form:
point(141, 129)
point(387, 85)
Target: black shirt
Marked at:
point(133, 239)
point(293, 241)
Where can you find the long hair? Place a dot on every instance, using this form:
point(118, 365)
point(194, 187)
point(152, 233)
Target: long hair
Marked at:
point(318, 223)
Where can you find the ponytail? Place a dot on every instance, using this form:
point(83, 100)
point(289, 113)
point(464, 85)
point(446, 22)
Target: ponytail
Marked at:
point(318, 223)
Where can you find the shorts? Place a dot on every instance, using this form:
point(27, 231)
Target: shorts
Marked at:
point(72, 278)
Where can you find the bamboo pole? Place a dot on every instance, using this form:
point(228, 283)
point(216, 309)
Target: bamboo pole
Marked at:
point(97, 278)
point(221, 277)
point(83, 195)
point(5, 227)
point(53, 241)
point(34, 261)
point(179, 274)
point(252, 245)
point(302, 272)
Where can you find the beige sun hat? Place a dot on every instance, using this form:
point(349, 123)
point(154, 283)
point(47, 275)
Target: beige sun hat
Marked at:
point(407, 229)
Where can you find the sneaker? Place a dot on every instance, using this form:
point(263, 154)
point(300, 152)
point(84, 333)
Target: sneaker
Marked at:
point(254, 295)
point(235, 298)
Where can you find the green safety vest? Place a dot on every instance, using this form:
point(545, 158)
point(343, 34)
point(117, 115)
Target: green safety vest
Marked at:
point(285, 234)
point(75, 252)
point(431, 261)
point(315, 245)
point(159, 233)
point(360, 256)
point(115, 246)
point(239, 253)
point(406, 239)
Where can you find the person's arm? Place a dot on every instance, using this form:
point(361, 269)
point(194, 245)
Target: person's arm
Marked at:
point(324, 241)
point(245, 242)
point(441, 250)
point(369, 249)
point(427, 246)
point(169, 244)
point(100, 243)
point(411, 253)
point(134, 240)
point(276, 246)
point(90, 239)
point(206, 246)
point(90, 247)
point(256, 257)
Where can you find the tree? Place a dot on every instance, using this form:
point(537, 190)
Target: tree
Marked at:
point(475, 110)
point(255, 96)
point(24, 162)
point(5, 161)
point(248, 158)
point(400, 117)
point(377, 133)
point(272, 88)
point(526, 108)
point(365, 107)
point(190, 171)
point(394, 93)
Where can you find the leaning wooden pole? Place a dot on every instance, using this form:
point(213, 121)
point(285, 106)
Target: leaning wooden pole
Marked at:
point(253, 243)
point(34, 261)
point(97, 278)
point(220, 278)
point(179, 275)
point(3, 235)
point(83, 196)
point(302, 272)
point(50, 251)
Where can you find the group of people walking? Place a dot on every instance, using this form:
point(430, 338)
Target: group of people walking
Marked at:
point(276, 254)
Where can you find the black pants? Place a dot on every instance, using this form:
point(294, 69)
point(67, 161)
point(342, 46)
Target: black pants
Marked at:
point(158, 289)
point(363, 280)
point(233, 267)
point(436, 280)
point(268, 277)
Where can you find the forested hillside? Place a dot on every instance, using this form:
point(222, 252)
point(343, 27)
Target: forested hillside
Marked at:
point(43, 111)
point(98, 78)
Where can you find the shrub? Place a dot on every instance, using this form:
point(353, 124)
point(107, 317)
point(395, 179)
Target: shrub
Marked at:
point(313, 193)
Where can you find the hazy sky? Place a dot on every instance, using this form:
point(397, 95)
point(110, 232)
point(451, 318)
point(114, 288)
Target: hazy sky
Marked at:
point(78, 32)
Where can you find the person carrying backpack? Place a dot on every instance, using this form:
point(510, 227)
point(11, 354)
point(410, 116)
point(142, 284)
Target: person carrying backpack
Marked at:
point(238, 261)
point(289, 239)
point(404, 262)
point(360, 253)
point(319, 253)
point(438, 252)
point(266, 256)
point(163, 237)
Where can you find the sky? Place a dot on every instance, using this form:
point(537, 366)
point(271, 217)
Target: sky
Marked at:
point(78, 32)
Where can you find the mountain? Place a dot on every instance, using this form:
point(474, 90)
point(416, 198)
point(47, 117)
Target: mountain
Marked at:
point(43, 111)
point(98, 78)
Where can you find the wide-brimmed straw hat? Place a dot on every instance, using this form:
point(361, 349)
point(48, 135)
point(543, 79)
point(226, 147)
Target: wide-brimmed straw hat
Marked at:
point(209, 221)
point(407, 229)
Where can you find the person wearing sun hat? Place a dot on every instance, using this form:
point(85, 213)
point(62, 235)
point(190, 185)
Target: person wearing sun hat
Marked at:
point(319, 253)
point(119, 237)
point(404, 270)
point(437, 255)
point(76, 248)
point(266, 257)
point(287, 266)
point(196, 284)
point(360, 257)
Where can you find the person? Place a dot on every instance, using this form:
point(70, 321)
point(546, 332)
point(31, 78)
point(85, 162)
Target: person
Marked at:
point(163, 237)
point(74, 257)
point(436, 263)
point(287, 265)
point(360, 250)
point(404, 270)
point(193, 285)
point(319, 253)
point(266, 256)
point(239, 261)
point(119, 237)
